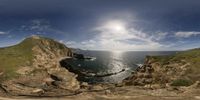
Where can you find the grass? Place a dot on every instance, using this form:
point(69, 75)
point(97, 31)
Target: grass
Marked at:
point(181, 82)
point(20, 55)
point(15, 56)
point(191, 56)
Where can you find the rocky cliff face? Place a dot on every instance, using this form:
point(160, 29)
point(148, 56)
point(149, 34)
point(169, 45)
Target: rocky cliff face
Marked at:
point(43, 75)
point(161, 73)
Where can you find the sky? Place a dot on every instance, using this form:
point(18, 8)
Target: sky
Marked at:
point(121, 25)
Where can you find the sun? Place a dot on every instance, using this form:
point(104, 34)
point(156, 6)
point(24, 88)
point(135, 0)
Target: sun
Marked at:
point(113, 35)
point(115, 26)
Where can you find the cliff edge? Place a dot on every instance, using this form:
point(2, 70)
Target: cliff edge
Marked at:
point(180, 69)
point(32, 68)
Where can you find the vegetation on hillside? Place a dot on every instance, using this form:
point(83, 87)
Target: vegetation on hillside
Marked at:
point(182, 82)
point(21, 55)
point(191, 57)
point(15, 56)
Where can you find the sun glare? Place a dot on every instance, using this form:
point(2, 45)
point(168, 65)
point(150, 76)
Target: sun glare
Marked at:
point(117, 52)
point(116, 26)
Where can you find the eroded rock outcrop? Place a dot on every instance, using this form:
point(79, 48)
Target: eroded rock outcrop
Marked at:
point(156, 74)
point(43, 75)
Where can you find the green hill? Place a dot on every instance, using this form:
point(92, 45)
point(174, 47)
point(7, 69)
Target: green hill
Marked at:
point(180, 69)
point(33, 67)
point(190, 58)
point(22, 54)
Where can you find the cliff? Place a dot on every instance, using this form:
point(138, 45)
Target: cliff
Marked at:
point(32, 67)
point(180, 69)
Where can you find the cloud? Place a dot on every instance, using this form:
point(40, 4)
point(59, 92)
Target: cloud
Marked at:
point(112, 37)
point(186, 34)
point(39, 24)
point(61, 41)
point(86, 44)
point(10, 36)
point(116, 35)
point(72, 43)
point(36, 25)
point(3, 33)
point(122, 35)
point(159, 36)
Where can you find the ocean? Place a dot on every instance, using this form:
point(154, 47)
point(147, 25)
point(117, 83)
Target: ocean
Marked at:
point(122, 64)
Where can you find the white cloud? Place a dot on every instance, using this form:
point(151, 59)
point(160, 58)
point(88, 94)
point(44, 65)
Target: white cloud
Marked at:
point(2, 33)
point(38, 25)
point(113, 39)
point(83, 45)
point(186, 34)
point(116, 35)
point(71, 44)
point(61, 41)
point(10, 36)
point(159, 36)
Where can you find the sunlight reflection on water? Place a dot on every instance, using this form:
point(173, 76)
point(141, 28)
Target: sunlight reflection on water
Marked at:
point(116, 64)
point(111, 62)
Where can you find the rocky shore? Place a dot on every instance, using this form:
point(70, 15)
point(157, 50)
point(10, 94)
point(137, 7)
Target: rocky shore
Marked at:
point(44, 77)
point(157, 74)
point(84, 73)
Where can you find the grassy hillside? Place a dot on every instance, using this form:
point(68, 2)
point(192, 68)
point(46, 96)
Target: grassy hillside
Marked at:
point(11, 58)
point(191, 57)
point(15, 56)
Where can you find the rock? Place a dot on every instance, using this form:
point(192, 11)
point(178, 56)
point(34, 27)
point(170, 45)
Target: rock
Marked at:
point(1, 73)
point(79, 56)
point(38, 91)
point(195, 85)
point(69, 83)
point(142, 70)
point(155, 86)
point(84, 85)
point(147, 86)
point(48, 81)
point(154, 71)
point(25, 70)
point(96, 87)
point(147, 75)
point(140, 75)
point(148, 81)
point(44, 70)
point(119, 84)
point(108, 92)
point(21, 89)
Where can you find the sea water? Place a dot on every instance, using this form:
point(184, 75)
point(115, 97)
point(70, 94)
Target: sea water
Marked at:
point(112, 62)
